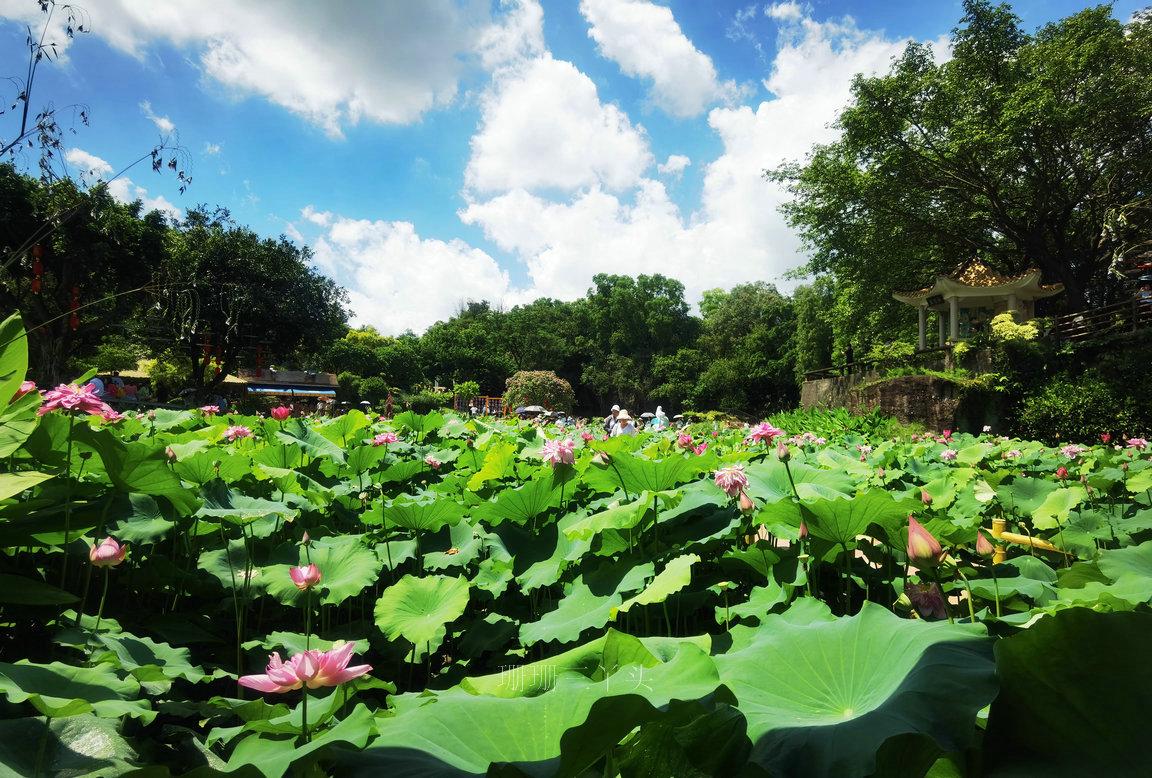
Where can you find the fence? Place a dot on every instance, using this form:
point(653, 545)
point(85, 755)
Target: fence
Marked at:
point(1126, 316)
point(485, 406)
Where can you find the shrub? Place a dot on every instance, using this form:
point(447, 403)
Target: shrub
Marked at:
point(373, 389)
point(1078, 408)
point(422, 402)
point(539, 387)
point(348, 386)
point(466, 390)
point(1006, 330)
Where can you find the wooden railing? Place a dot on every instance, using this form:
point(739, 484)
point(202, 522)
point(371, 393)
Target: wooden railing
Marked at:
point(1119, 317)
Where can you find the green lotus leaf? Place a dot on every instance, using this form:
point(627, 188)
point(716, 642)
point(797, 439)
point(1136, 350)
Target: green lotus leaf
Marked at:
point(521, 504)
point(1054, 510)
point(499, 460)
point(420, 515)
point(234, 507)
point(419, 609)
point(20, 590)
point(841, 520)
point(1065, 708)
point(295, 432)
point(822, 698)
point(77, 745)
point(588, 602)
point(18, 421)
point(347, 567)
point(60, 690)
point(1024, 495)
point(635, 475)
point(13, 355)
point(419, 424)
point(148, 660)
point(675, 576)
point(618, 516)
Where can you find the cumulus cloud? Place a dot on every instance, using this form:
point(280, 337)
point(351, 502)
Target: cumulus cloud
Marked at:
point(645, 40)
point(399, 281)
point(673, 166)
point(92, 169)
point(335, 64)
point(163, 123)
point(517, 35)
point(212, 149)
point(543, 126)
point(321, 218)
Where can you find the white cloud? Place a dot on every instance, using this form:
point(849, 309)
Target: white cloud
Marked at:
point(212, 149)
point(321, 218)
point(163, 123)
point(335, 64)
point(293, 233)
point(674, 166)
point(517, 35)
point(645, 40)
point(93, 169)
point(397, 280)
point(786, 12)
point(543, 126)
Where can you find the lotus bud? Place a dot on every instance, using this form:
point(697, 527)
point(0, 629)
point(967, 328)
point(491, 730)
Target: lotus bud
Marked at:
point(107, 553)
point(746, 503)
point(305, 577)
point(170, 454)
point(803, 529)
point(880, 473)
point(925, 497)
point(151, 415)
point(1061, 472)
point(305, 540)
point(924, 550)
point(783, 453)
point(983, 545)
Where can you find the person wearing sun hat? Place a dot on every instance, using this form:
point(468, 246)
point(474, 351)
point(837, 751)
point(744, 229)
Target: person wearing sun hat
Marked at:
point(610, 420)
point(624, 424)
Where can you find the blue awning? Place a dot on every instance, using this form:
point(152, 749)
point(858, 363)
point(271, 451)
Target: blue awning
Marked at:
point(292, 391)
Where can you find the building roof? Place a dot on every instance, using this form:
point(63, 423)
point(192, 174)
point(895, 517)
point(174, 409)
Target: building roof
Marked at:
point(974, 279)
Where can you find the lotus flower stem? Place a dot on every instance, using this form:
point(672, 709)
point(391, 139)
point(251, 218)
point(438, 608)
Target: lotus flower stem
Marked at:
point(67, 501)
point(308, 620)
point(100, 608)
point(971, 607)
point(304, 713)
point(995, 589)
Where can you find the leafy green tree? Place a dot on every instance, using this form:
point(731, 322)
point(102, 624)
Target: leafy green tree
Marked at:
point(469, 347)
point(1015, 149)
point(539, 387)
point(813, 340)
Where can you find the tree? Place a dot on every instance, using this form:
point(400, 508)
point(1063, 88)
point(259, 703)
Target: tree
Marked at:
point(1015, 150)
point(230, 296)
point(539, 387)
point(469, 347)
point(813, 341)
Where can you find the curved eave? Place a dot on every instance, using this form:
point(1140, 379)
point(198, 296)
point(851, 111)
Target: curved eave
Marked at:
point(1025, 287)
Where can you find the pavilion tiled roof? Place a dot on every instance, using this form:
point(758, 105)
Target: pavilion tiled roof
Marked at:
point(977, 275)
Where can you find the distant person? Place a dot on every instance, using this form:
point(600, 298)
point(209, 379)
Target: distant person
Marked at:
point(97, 384)
point(623, 424)
point(388, 406)
point(659, 421)
point(1144, 294)
point(611, 419)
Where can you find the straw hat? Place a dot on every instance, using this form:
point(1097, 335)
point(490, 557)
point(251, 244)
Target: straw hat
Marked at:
point(623, 416)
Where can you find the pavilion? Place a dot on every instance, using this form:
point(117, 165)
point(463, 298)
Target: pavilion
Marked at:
point(971, 295)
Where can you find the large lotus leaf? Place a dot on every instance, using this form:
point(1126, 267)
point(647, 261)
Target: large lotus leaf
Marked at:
point(762, 600)
point(499, 460)
point(344, 427)
point(19, 590)
point(1056, 506)
point(13, 355)
point(229, 567)
point(83, 745)
point(617, 515)
point(296, 432)
point(456, 733)
point(145, 524)
point(148, 660)
point(635, 475)
point(841, 520)
point(275, 756)
point(421, 516)
point(675, 576)
point(346, 566)
point(17, 423)
point(588, 602)
point(822, 698)
point(465, 543)
point(12, 484)
point(419, 609)
point(234, 507)
point(1073, 699)
point(1139, 482)
point(59, 690)
point(1025, 576)
point(363, 458)
point(768, 481)
point(137, 467)
point(1025, 494)
point(279, 456)
point(420, 424)
point(205, 466)
point(521, 504)
point(400, 471)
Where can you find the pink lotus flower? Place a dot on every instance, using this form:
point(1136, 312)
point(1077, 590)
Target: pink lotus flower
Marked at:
point(1106, 438)
point(1061, 472)
point(280, 412)
point(1072, 450)
point(715, 433)
point(698, 450)
point(69, 397)
point(111, 415)
point(151, 415)
point(731, 479)
point(1137, 443)
point(236, 432)
point(305, 577)
point(587, 436)
point(209, 410)
point(314, 669)
point(170, 453)
point(559, 452)
point(384, 438)
point(684, 440)
point(107, 553)
point(432, 462)
point(1013, 454)
point(25, 388)
point(983, 545)
point(763, 432)
point(946, 434)
point(948, 455)
point(923, 549)
point(927, 599)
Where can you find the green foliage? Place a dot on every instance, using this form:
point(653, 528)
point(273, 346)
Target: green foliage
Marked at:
point(466, 390)
point(1006, 330)
point(1074, 408)
point(539, 387)
point(425, 401)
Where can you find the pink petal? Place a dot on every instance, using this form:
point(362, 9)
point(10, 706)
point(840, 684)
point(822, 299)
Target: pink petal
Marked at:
point(261, 683)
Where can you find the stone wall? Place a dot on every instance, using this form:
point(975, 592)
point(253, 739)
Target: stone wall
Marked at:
point(927, 400)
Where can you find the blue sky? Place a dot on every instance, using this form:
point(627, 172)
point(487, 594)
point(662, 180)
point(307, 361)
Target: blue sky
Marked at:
point(435, 152)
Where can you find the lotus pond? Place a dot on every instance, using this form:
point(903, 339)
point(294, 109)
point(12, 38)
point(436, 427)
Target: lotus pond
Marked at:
point(181, 592)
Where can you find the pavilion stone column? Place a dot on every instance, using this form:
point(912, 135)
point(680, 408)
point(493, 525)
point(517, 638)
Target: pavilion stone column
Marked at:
point(940, 319)
point(923, 341)
point(954, 319)
point(1014, 307)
